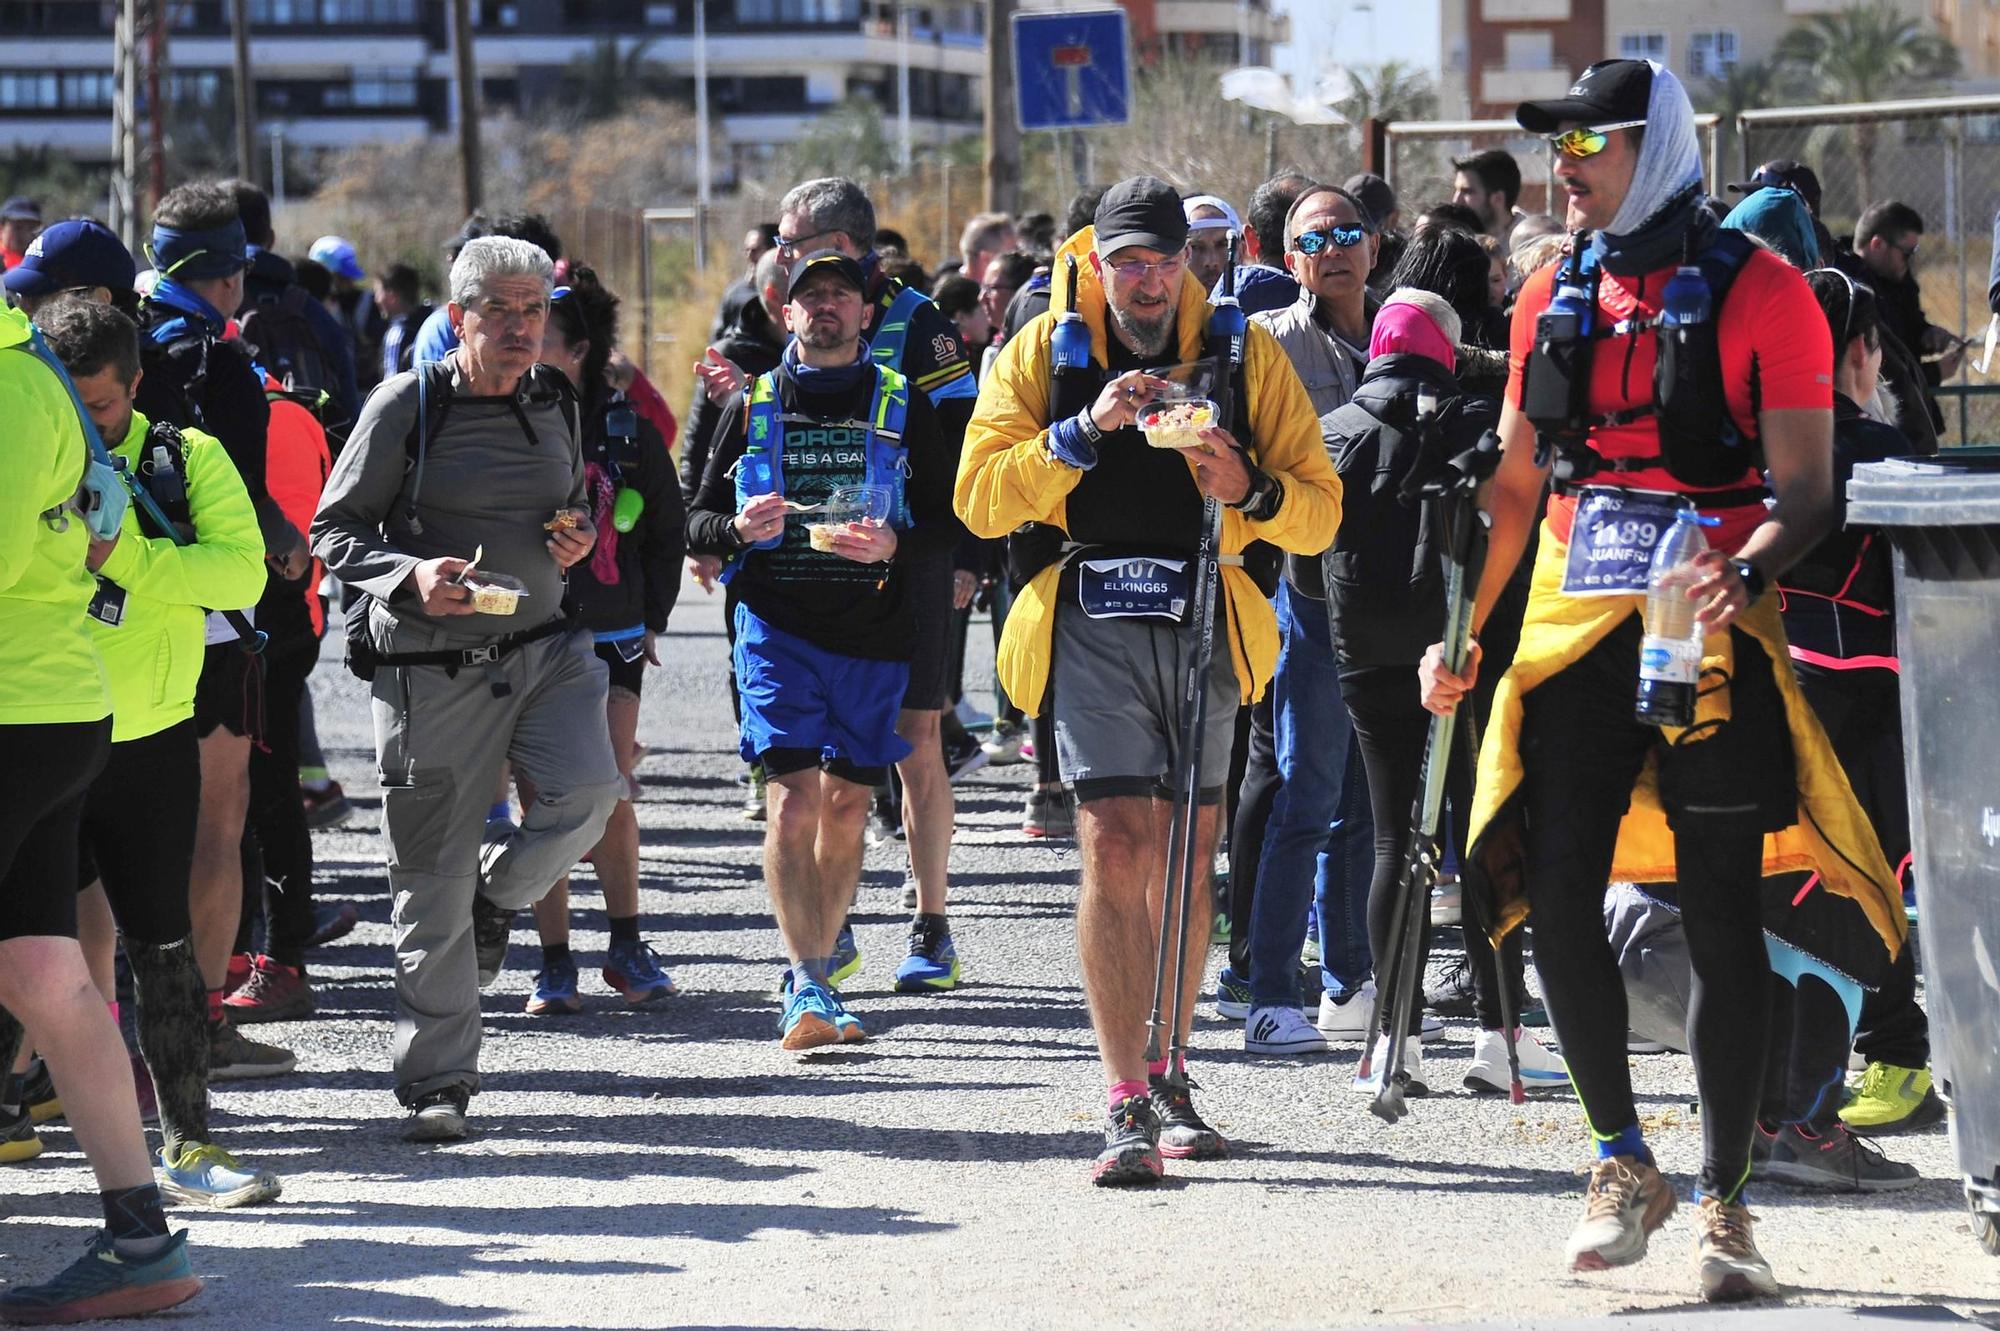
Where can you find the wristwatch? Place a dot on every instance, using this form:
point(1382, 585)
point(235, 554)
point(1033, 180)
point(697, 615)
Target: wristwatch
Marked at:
point(1753, 577)
point(1260, 501)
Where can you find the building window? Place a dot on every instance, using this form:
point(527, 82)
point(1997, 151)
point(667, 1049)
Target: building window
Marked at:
point(1529, 48)
point(662, 16)
point(194, 87)
point(1711, 54)
point(374, 90)
point(88, 89)
point(1643, 46)
point(798, 11)
point(23, 89)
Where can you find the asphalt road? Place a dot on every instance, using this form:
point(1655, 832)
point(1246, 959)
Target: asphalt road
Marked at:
point(673, 1167)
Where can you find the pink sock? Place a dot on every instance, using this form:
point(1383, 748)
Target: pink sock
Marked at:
point(1158, 1067)
point(1121, 1091)
point(113, 1005)
point(214, 1006)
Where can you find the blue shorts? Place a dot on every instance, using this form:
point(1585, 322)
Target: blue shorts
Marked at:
point(798, 696)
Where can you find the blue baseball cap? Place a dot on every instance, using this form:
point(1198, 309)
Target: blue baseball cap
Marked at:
point(80, 253)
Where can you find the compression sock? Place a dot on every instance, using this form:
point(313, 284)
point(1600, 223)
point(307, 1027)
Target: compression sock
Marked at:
point(501, 812)
point(1121, 1091)
point(214, 1006)
point(624, 929)
point(555, 956)
point(1630, 1142)
point(173, 1037)
point(135, 1220)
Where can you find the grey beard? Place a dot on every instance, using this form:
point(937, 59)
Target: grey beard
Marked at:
point(1144, 337)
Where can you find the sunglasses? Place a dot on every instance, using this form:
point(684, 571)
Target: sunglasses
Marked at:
point(1135, 271)
point(1854, 290)
point(1588, 141)
point(1313, 242)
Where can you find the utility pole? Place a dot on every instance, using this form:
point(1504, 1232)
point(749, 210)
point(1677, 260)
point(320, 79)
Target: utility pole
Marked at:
point(468, 104)
point(125, 126)
point(704, 170)
point(903, 157)
point(246, 136)
point(156, 104)
point(1003, 134)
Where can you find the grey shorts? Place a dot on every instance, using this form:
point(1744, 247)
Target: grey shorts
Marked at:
point(1117, 687)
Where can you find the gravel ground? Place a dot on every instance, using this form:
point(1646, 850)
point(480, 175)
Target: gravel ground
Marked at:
point(673, 1167)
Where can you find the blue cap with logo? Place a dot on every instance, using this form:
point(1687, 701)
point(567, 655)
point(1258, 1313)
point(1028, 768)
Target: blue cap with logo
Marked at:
point(79, 253)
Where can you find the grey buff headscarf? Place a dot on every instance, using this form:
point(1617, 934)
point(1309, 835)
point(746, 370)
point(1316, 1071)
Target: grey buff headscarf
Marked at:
point(1670, 158)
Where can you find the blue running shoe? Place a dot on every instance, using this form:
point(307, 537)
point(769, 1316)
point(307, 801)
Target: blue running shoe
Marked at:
point(555, 992)
point(1232, 995)
point(204, 1174)
point(101, 1284)
point(810, 1019)
point(933, 960)
point(849, 1025)
point(633, 969)
point(846, 957)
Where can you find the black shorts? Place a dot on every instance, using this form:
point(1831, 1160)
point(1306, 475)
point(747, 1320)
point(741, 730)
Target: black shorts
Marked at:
point(144, 858)
point(230, 694)
point(929, 589)
point(44, 777)
point(785, 761)
point(629, 675)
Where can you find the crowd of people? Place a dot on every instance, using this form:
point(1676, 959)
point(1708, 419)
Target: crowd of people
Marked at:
point(221, 458)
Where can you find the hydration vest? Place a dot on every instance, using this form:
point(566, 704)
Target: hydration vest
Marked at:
point(892, 329)
point(760, 471)
point(1700, 444)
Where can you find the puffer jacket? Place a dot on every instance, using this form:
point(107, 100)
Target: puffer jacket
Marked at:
point(1385, 570)
point(1007, 477)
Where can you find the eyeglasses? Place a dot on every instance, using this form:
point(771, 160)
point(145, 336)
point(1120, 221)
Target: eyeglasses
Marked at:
point(1313, 242)
point(792, 248)
point(1908, 254)
point(1854, 290)
point(1589, 140)
point(1135, 271)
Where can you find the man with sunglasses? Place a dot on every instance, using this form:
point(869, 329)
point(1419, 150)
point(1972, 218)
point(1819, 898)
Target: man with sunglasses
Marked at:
point(1561, 810)
point(1886, 241)
point(1101, 631)
point(1302, 743)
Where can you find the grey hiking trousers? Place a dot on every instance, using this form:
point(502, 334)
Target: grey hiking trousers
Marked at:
point(440, 739)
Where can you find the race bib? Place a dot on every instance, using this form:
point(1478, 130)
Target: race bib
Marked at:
point(1136, 587)
point(1611, 541)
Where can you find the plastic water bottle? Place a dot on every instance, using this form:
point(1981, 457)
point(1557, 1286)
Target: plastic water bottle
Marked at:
point(1670, 652)
point(1069, 344)
point(1568, 315)
point(167, 488)
point(1687, 299)
point(626, 508)
point(1227, 324)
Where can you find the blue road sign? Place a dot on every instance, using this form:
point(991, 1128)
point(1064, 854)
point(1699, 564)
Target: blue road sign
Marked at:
point(1072, 70)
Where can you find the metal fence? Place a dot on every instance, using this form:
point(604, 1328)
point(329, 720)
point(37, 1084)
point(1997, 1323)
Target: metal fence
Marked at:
point(1420, 152)
point(1941, 156)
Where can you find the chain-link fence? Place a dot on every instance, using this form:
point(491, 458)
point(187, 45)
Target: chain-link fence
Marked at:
point(1420, 154)
point(1940, 156)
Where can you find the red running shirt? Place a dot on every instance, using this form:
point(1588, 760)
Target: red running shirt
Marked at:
point(1777, 355)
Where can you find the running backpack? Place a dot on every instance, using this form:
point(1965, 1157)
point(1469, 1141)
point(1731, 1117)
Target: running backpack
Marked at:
point(282, 340)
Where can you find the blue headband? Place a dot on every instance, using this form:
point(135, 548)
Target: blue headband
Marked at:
point(193, 255)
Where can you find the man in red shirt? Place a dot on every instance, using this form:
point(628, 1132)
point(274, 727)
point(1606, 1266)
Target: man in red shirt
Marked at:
point(1565, 752)
point(20, 223)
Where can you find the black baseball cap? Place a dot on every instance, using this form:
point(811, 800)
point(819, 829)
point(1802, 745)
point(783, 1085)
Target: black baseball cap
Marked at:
point(1783, 173)
point(79, 253)
point(1143, 210)
point(1377, 195)
point(1608, 92)
point(826, 261)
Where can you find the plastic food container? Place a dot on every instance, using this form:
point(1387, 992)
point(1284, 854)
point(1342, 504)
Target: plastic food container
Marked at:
point(496, 593)
point(1178, 423)
point(849, 503)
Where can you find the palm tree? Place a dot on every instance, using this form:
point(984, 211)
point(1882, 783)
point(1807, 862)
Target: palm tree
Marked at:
point(604, 80)
point(1742, 87)
point(1391, 90)
point(1866, 53)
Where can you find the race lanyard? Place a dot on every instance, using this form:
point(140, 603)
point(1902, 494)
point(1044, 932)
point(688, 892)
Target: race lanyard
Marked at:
point(1135, 587)
point(1612, 538)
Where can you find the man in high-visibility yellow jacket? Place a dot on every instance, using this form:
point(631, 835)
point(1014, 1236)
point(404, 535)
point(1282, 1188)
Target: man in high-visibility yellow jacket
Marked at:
point(1103, 625)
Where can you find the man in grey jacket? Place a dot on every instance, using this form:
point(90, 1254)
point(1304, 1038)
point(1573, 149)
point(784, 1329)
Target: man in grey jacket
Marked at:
point(464, 680)
point(1317, 841)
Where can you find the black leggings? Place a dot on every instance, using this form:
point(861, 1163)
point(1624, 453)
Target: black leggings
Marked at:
point(277, 850)
point(1582, 751)
point(1252, 791)
point(1392, 728)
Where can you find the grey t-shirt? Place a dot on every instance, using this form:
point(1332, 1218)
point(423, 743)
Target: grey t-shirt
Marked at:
point(484, 483)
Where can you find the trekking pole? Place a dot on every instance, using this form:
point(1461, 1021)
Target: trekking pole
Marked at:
point(1454, 489)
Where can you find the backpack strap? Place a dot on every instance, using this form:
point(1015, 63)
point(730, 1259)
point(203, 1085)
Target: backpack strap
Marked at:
point(889, 338)
point(433, 405)
point(888, 455)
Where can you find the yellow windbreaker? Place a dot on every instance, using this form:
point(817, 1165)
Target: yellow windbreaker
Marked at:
point(1007, 477)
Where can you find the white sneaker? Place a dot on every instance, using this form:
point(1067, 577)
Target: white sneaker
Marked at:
point(1726, 1256)
point(1413, 1066)
point(1540, 1069)
point(909, 891)
point(1346, 1021)
point(1447, 905)
point(1281, 1030)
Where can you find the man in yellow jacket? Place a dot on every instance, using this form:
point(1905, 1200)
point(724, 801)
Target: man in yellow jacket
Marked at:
point(1100, 634)
point(147, 622)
